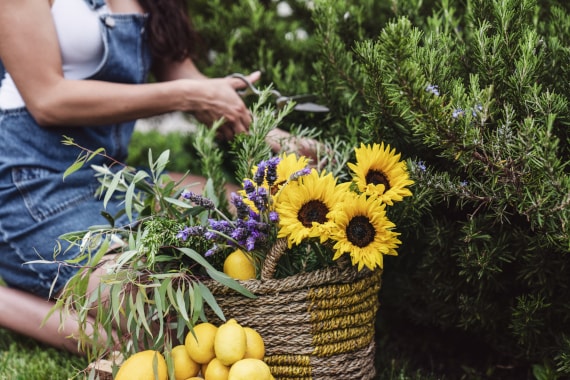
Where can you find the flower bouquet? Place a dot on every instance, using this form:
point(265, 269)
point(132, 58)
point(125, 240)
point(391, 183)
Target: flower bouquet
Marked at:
point(311, 248)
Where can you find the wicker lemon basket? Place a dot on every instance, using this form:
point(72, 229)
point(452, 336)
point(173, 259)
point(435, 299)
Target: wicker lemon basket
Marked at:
point(315, 325)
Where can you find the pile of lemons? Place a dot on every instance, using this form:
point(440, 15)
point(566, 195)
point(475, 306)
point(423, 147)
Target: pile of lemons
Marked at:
point(209, 352)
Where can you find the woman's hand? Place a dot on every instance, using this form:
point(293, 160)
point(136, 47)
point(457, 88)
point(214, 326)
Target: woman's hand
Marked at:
point(209, 99)
point(221, 100)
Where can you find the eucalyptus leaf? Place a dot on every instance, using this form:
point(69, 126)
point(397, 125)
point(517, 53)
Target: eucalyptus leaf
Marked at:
point(140, 307)
point(73, 168)
point(159, 309)
point(178, 202)
point(198, 302)
point(226, 280)
point(111, 188)
point(181, 304)
point(161, 162)
point(210, 300)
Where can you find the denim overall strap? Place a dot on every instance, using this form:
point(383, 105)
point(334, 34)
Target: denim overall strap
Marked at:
point(36, 205)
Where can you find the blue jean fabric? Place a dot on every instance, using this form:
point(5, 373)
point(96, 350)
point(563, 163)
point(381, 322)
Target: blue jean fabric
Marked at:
point(36, 204)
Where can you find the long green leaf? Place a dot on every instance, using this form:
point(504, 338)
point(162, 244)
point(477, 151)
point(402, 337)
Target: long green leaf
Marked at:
point(226, 280)
point(74, 167)
point(198, 303)
point(221, 277)
point(158, 301)
point(181, 304)
point(112, 188)
point(178, 202)
point(140, 303)
point(211, 300)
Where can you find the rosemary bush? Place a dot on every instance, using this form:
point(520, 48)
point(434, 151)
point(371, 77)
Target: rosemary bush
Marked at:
point(477, 93)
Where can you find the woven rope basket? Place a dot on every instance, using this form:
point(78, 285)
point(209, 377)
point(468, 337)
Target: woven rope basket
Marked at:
point(315, 325)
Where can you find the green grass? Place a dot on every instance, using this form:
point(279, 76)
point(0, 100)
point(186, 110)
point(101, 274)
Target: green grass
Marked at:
point(24, 359)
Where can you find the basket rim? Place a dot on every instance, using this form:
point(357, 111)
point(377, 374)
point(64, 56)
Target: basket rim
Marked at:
point(319, 277)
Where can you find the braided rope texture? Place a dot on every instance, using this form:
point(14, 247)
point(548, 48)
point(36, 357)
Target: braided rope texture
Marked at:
point(315, 325)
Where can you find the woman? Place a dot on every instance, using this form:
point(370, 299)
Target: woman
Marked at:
point(78, 68)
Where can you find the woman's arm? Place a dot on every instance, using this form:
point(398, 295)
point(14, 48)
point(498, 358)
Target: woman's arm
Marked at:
point(186, 69)
point(30, 52)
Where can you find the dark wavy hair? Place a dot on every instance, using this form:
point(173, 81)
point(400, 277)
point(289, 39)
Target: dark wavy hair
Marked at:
point(172, 35)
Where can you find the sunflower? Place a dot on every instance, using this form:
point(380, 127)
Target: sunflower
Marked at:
point(363, 230)
point(379, 172)
point(289, 165)
point(304, 206)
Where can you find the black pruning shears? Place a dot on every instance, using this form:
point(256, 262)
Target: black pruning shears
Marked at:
point(303, 103)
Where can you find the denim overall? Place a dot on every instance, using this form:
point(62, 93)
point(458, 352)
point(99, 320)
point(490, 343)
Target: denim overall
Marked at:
point(36, 204)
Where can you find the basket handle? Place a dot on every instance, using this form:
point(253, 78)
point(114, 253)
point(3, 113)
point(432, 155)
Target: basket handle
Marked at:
point(270, 264)
point(272, 258)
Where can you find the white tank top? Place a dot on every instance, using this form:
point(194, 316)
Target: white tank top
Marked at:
point(79, 36)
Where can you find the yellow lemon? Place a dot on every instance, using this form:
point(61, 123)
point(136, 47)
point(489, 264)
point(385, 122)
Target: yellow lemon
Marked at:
point(216, 370)
point(184, 366)
point(142, 366)
point(248, 369)
point(239, 266)
point(255, 347)
point(230, 342)
point(195, 378)
point(200, 347)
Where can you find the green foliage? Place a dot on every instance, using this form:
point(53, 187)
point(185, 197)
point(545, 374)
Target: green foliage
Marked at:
point(154, 290)
point(486, 235)
point(185, 159)
point(493, 232)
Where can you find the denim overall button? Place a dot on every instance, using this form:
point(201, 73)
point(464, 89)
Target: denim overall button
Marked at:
point(109, 21)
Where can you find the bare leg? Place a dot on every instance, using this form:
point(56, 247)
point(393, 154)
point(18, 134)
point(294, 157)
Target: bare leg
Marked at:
point(24, 313)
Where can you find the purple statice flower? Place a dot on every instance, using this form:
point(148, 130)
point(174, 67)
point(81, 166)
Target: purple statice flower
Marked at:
point(242, 209)
point(273, 216)
point(210, 235)
point(222, 226)
point(248, 186)
point(300, 173)
point(198, 200)
point(239, 234)
point(259, 175)
point(249, 232)
point(250, 243)
point(271, 173)
point(212, 251)
point(185, 233)
point(433, 88)
point(260, 198)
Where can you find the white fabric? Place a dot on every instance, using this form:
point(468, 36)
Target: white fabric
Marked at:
point(79, 35)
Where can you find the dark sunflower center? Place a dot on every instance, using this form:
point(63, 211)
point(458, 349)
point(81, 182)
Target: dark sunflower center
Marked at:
point(313, 211)
point(377, 177)
point(360, 232)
